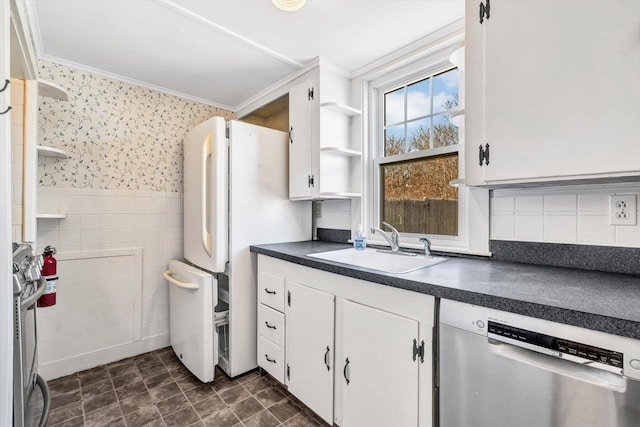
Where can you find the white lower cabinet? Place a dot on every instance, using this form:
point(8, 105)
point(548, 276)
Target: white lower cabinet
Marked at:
point(380, 375)
point(271, 324)
point(309, 347)
point(356, 353)
point(271, 358)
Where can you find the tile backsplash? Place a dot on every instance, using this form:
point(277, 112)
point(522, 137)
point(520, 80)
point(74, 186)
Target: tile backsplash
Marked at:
point(17, 132)
point(120, 188)
point(333, 214)
point(578, 214)
point(115, 219)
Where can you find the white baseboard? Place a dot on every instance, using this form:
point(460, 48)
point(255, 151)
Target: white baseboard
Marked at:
point(60, 368)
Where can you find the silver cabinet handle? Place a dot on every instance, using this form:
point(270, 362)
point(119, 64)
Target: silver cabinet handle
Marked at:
point(269, 291)
point(269, 326)
point(266, 356)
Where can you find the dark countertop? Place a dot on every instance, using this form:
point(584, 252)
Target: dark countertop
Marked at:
point(607, 302)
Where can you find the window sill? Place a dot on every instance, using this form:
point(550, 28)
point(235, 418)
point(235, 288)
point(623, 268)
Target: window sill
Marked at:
point(444, 249)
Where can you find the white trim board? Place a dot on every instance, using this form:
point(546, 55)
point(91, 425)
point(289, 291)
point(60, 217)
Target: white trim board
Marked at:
point(452, 34)
point(227, 32)
point(613, 188)
point(6, 291)
point(60, 368)
point(109, 253)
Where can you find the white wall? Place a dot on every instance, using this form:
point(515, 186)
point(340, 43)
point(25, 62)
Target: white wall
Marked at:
point(572, 214)
point(17, 123)
point(114, 219)
point(6, 293)
point(97, 316)
point(120, 188)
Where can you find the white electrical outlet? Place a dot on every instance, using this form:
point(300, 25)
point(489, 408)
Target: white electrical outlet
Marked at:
point(622, 209)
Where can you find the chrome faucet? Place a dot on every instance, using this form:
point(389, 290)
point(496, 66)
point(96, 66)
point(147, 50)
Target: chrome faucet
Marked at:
point(393, 239)
point(427, 245)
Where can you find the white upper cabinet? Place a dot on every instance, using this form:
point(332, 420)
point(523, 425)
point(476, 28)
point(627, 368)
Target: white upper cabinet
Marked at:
point(301, 107)
point(552, 87)
point(324, 161)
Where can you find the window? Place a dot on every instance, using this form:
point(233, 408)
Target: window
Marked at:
point(418, 155)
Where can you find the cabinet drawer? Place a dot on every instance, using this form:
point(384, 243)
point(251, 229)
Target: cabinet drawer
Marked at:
point(271, 358)
point(271, 325)
point(271, 290)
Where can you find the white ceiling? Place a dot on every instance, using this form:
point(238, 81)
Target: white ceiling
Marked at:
point(223, 52)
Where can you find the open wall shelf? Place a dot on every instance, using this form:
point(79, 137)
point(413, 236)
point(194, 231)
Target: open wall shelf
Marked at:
point(51, 90)
point(50, 216)
point(341, 108)
point(341, 151)
point(56, 153)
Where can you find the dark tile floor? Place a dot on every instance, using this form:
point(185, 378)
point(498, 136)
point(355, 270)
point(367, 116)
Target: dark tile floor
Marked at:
point(155, 389)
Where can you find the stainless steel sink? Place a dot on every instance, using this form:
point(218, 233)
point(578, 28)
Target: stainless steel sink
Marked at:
point(385, 261)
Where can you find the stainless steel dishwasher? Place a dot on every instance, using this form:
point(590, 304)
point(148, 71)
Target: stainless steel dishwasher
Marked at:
point(499, 369)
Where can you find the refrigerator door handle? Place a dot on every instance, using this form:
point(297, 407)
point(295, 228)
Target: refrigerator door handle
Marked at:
point(170, 279)
point(206, 236)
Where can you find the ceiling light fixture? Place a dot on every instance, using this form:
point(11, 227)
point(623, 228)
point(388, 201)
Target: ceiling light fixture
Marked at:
point(289, 5)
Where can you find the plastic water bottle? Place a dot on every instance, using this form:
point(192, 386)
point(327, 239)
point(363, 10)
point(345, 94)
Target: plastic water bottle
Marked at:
point(360, 240)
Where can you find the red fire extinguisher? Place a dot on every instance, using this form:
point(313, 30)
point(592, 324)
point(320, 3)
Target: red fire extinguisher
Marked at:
point(50, 274)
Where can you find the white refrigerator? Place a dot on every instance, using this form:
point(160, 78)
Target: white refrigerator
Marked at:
point(235, 195)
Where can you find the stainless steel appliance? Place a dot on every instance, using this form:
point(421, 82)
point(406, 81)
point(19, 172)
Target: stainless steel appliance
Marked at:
point(499, 369)
point(30, 392)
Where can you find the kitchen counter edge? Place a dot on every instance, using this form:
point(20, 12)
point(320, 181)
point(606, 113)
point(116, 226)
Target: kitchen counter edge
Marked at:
point(296, 252)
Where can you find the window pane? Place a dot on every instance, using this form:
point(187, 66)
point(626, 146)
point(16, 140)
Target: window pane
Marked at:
point(418, 99)
point(445, 90)
point(444, 132)
point(417, 197)
point(394, 107)
point(418, 134)
point(394, 141)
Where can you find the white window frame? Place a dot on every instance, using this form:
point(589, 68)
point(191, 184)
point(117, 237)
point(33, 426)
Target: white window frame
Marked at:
point(473, 204)
point(378, 134)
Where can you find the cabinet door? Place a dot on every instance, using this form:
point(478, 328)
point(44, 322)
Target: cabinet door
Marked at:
point(300, 137)
point(309, 316)
point(380, 377)
point(561, 81)
point(474, 95)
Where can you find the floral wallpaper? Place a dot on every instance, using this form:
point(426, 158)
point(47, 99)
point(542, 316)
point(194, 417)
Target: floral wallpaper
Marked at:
point(117, 135)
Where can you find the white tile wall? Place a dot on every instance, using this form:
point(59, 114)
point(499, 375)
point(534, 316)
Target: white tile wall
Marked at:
point(17, 125)
point(111, 219)
point(578, 214)
point(335, 214)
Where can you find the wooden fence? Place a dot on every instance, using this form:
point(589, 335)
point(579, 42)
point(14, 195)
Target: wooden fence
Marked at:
point(423, 216)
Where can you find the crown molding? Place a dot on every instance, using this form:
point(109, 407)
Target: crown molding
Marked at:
point(135, 82)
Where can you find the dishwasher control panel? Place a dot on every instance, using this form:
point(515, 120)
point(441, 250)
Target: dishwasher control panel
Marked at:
point(515, 335)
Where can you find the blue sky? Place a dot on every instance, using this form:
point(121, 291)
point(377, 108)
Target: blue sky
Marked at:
point(445, 86)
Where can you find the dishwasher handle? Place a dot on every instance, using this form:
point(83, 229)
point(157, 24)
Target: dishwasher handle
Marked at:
point(577, 371)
